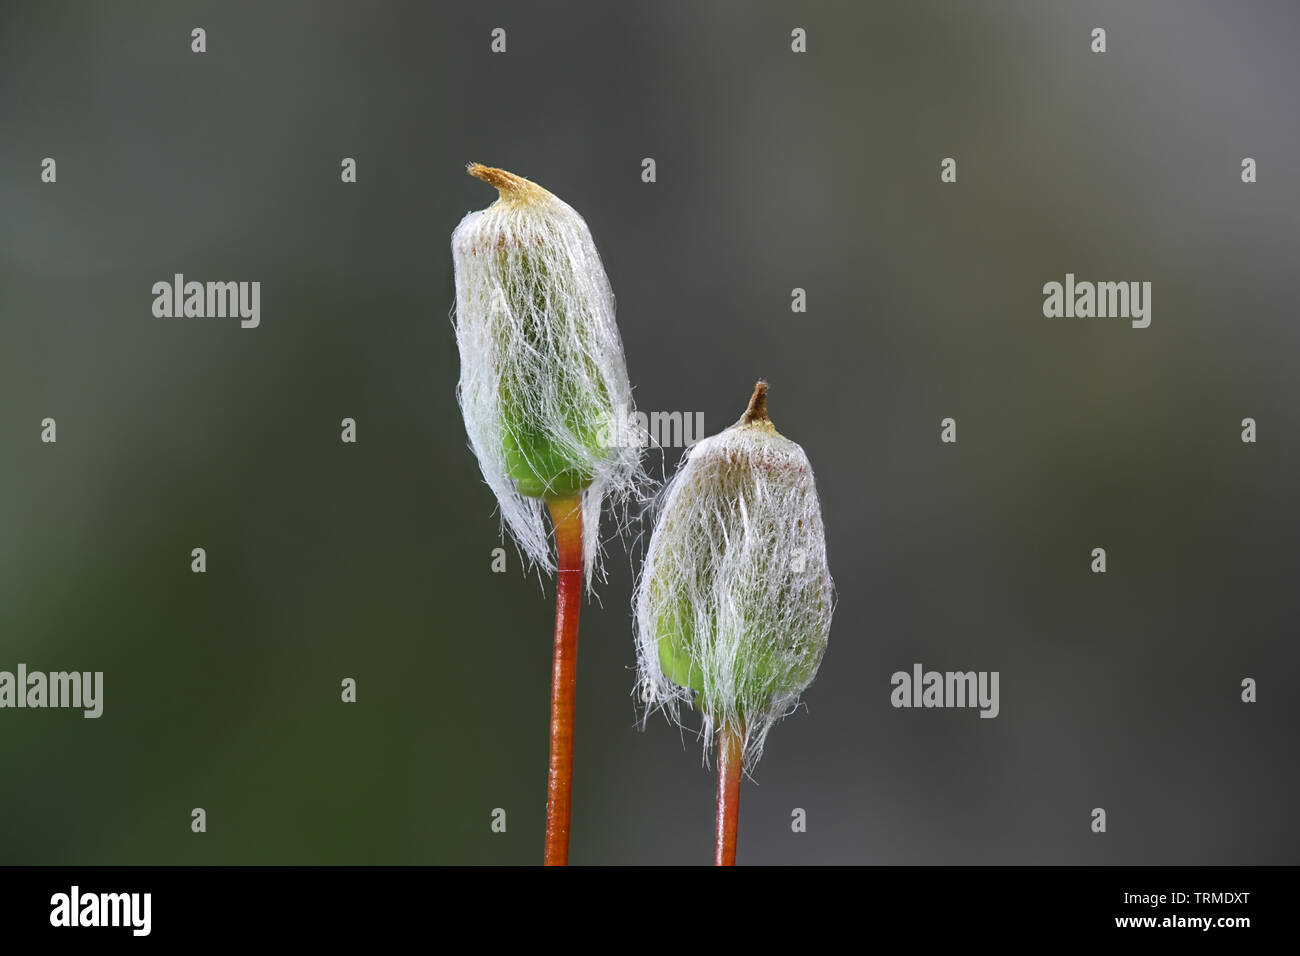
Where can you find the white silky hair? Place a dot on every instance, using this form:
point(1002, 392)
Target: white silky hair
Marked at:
point(535, 317)
point(739, 553)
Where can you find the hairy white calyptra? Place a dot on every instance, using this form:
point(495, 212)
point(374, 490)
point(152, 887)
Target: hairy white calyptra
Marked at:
point(543, 382)
point(734, 603)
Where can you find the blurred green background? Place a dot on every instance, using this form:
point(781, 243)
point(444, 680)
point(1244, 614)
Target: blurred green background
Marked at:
point(775, 171)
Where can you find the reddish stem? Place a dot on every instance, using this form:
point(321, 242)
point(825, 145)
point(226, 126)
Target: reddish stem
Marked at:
point(730, 753)
point(566, 517)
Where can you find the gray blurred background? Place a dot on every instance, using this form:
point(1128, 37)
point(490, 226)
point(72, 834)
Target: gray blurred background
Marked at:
point(775, 171)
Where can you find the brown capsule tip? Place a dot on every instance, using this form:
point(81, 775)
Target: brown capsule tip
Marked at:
point(510, 186)
point(757, 410)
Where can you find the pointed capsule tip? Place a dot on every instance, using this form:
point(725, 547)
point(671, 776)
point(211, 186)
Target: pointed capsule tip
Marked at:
point(507, 184)
point(757, 410)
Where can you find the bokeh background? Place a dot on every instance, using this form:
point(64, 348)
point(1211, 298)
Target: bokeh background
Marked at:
point(775, 171)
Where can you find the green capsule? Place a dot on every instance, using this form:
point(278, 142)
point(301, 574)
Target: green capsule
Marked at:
point(675, 633)
point(767, 665)
point(541, 470)
point(541, 466)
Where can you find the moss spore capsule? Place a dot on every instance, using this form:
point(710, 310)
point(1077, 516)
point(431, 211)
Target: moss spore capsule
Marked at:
point(543, 384)
point(735, 600)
